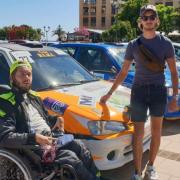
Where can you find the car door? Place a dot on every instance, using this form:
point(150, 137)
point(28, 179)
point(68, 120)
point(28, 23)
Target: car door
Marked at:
point(4, 70)
point(97, 61)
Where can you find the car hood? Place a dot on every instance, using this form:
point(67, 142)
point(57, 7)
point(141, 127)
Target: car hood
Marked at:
point(84, 100)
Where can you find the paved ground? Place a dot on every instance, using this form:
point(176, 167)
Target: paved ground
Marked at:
point(168, 159)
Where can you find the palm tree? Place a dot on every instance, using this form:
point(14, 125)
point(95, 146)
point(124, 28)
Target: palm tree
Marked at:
point(59, 32)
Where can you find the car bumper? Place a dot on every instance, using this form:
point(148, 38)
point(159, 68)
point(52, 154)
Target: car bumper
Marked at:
point(114, 153)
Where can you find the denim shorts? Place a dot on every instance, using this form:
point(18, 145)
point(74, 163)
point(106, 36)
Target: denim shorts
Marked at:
point(147, 97)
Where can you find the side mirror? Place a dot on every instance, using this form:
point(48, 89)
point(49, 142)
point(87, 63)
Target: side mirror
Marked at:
point(114, 70)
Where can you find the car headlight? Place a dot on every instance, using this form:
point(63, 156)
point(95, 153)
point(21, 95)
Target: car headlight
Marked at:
point(105, 127)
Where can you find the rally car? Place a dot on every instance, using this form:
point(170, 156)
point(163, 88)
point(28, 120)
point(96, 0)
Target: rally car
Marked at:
point(69, 90)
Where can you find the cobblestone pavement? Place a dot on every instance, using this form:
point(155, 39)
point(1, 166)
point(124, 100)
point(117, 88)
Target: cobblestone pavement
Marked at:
point(167, 162)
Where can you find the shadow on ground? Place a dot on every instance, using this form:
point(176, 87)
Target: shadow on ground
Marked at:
point(125, 172)
point(171, 127)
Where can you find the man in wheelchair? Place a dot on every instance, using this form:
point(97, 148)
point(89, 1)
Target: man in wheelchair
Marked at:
point(26, 125)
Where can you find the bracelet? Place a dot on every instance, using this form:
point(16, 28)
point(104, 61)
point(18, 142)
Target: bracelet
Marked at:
point(109, 93)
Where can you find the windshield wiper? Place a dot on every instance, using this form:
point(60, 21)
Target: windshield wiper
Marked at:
point(87, 81)
point(57, 86)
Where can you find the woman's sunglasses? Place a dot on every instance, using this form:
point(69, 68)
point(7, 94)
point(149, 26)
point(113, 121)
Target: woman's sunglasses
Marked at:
point(145, 18)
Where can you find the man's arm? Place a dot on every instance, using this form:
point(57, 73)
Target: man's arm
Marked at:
point(119, 79)
point(172, 106)
point(174, 74)
point(54, 121)
point(10, 138)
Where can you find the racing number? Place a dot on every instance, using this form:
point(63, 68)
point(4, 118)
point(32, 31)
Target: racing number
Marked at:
point(45, 54)
point(23, 58)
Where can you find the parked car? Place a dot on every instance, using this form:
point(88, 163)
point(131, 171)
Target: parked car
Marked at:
point(27, 43)
point(105, 60)
point(177, 50)
point(49, 43)
point(57, 77)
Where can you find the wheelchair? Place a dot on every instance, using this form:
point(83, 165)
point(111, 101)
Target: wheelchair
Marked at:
point(24, 164)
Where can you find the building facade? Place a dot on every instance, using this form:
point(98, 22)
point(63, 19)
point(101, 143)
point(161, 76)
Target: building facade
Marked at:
point(174, 3)
point(97, 14)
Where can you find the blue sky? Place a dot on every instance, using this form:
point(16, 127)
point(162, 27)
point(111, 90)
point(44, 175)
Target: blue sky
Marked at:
point(40, 13)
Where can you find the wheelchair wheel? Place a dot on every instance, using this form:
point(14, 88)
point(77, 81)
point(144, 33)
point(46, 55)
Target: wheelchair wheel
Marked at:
point(68, 172)
point(13, 167)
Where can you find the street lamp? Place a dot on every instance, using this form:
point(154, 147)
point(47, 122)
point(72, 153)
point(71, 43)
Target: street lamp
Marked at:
point(46, 30)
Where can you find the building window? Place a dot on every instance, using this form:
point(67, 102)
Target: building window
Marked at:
point(85, 10)
point(93, 10)
point(85, 21)
point(90, 1)
point(93, 22)
point(169, 3)
point(113, 9)
point(103, 10)
point(103, 2)
point(112, 20)
point(103, 21)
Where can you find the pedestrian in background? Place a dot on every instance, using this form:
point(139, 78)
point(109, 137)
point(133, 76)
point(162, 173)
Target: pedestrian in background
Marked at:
point(150, 52)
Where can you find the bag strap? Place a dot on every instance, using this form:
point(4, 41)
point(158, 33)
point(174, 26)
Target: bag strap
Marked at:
point(149, 60)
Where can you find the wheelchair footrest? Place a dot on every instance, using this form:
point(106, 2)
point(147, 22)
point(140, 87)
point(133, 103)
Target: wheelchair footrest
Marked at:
point(50, 176)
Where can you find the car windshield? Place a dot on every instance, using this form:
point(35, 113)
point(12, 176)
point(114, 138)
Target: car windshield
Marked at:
point(52, 70)
point(118, 54)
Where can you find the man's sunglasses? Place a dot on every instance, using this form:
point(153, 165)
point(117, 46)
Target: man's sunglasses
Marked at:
point(145, 18)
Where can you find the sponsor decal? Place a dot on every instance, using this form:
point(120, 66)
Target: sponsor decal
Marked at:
point(87, 101)
point(22, 56)
point(54, 105)
point(90, 94)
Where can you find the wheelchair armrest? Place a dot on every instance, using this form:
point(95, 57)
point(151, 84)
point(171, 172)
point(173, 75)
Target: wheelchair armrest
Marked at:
point(30, 147)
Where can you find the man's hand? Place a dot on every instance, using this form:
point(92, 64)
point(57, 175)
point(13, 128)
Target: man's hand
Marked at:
point(104, 98)
point(173, 105)
point(44, 140)
point(59, 124)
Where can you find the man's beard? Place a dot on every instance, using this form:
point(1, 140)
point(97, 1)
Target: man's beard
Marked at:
point(21, 89)
point(149, 28)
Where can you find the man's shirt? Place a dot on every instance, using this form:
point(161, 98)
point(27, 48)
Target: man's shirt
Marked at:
point(37, 123)
point(161, 47)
